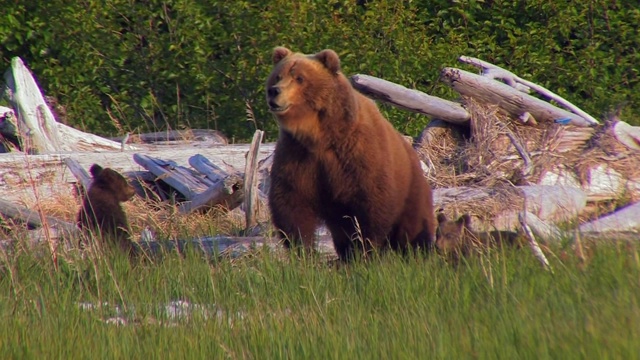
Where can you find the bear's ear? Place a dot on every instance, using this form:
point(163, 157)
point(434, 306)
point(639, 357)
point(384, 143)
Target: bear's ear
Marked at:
point(280, 53)
point(442, 218)
point(464, 220)
point(330, 60)
point(95, 170)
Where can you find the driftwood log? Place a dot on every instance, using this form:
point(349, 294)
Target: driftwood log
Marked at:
point(408, 99)
point(515, 102)
point(38, 129)
point(495, 72)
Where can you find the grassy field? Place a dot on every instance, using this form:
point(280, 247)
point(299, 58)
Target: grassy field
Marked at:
point(265, 306)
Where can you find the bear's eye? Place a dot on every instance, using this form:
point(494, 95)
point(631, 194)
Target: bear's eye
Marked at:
point(278, 78)
point(299, 79)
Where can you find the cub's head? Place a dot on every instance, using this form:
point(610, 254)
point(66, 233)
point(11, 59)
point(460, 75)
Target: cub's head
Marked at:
point(111, 181)
point(301, 86)
point(451, 235)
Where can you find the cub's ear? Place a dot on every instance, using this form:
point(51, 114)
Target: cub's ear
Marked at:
point(280, 53)
point(95, 170)
point(465, 220)
point(442, 218)
point(329, 59)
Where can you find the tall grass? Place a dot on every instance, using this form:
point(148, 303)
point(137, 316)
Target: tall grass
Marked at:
point(270, 306)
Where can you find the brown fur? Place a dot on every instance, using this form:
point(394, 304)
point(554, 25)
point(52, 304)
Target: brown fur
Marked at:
point(456, 238)
point(339, 161)
point(101, 212)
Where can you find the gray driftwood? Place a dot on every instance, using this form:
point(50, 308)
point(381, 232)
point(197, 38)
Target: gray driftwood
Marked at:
point(32, 219)
point(79, 172)
point(625, 219)
point(39, 131)
point(495, 72)
point(408, 99)
point(515, 102)
point(251, 182)
point(180, 178)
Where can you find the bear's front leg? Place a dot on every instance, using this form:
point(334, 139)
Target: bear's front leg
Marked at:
point(296, 224)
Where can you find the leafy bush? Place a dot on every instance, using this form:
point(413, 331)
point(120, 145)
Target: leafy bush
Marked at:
point(124, 65)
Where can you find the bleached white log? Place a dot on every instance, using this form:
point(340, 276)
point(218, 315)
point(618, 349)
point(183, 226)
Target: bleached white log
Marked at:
point(627, 135)
point(506, 97)
point(173, 174)
point(544, 230)
point(38, 128)
point(409, 99)
point(32, 219)
point(227, 193)
point(625, 219)
point(495, 72)
point(4, 110)
point(36, 125)
point(533, 244)
point(79, 172)
point(207, 136)
point(251, 181)
point(210, 170)
point(76, 140)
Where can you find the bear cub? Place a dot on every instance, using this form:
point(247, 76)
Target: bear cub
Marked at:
point(101, 212)
point(338, 161)
point(456, 238)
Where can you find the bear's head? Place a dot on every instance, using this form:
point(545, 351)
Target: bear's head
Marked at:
point(113, 182)
point(301, 88)
point(451, 235)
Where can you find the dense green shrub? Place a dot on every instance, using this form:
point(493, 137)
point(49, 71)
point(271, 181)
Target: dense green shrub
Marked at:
point(125, 65)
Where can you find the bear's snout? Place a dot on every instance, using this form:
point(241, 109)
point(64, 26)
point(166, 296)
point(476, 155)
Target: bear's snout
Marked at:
point(273, 91)
point(272, 95)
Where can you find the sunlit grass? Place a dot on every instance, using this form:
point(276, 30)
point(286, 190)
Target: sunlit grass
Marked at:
point(269, 306)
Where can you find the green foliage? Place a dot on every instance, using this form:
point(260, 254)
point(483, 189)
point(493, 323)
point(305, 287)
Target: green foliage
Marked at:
point(263, 306)
point(121, 65)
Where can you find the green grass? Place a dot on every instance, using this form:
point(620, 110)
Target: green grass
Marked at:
point(503, 306)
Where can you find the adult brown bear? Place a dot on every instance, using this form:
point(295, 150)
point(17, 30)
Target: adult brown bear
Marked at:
point(339, 161)
point(101, 213)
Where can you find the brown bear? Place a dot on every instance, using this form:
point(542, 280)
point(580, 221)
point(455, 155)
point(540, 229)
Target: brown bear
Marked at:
point(101, 212)
point(456, 238)
point(338, 161)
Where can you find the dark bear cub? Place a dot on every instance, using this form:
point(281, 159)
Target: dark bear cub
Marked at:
point(456, 238)
point(102, 213)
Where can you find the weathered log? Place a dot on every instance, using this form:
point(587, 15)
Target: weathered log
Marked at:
point(495, 72)
point(207, 136)
point(550, 203)
point(36, 125)
point(178, 177)
point(251, 181)
point(32, 219)
point(408, 99)
point(604, 183)
point(39, 131)
point(79, 172)
point(212, 171)
point(513, 101)
point(533, 244)
point(625, 219)
point(627, 135)
point(49, 169)
point(227, 193)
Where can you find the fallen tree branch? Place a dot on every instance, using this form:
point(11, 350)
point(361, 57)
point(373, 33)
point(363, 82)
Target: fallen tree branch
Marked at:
point(495, 72)
point(533, 244)
point(511, 100)
point(408, 99)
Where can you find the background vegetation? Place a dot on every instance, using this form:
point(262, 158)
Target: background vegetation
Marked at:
point(126, 65)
